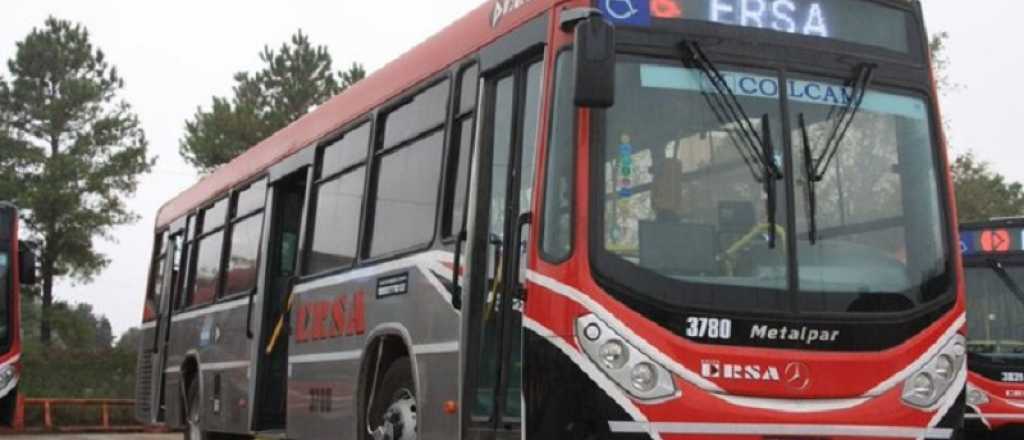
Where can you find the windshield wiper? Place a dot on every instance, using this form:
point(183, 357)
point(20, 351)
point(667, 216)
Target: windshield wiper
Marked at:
point(998, 268)
point(816, 167)
point(753, 147)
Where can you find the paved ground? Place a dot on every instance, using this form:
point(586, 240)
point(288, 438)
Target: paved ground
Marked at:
point(94, 437)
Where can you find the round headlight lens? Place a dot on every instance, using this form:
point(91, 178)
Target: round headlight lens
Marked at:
point(945, 367)
point(614, 355)
point(644, 377)
point(923, 385)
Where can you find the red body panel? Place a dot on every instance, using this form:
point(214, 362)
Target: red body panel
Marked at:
point(1006, 402)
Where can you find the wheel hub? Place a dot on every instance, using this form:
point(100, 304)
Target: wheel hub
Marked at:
point(399, 421)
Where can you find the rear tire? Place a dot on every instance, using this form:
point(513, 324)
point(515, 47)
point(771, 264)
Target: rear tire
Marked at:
point(193, 418)
point(394, 407)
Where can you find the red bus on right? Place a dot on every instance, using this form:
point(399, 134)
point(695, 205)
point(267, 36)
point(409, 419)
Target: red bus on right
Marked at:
point(993, 256)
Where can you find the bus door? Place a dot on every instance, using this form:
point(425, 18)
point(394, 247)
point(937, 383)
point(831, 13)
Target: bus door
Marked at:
point(170, 274)
point(504, 188)
point(286, 208)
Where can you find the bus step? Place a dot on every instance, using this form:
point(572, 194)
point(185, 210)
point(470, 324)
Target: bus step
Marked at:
point(275, 434)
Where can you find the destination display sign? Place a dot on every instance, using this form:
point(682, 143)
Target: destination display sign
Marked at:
point(992, 241)
point(855, 21)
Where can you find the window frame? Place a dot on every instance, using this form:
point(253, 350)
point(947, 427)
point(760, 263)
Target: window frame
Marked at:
point(319, 179)
point(378, 151)
point(235, 218)
point(546, 167)
point(449, 184)
point(159, 254)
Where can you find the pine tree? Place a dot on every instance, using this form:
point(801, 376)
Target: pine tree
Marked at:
point(295, 79)
point(73, 151)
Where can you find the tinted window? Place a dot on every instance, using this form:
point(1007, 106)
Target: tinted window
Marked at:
point(467, 88)
point(215, 216)
point(244, 255)
point(407, 196)
point(347, 151)
point(252, 198)
point(208, 269)
point(427, 110)
point(556, 239)
point(461, 155)
point(336, 227)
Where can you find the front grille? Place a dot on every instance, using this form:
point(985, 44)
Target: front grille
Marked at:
point(144, 387)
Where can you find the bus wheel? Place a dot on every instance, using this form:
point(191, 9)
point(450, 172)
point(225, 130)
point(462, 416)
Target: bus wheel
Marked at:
point(193, 422)
point(393, 414)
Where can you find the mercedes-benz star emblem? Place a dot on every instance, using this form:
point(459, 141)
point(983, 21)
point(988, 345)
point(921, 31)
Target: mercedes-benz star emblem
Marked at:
point(798, 376)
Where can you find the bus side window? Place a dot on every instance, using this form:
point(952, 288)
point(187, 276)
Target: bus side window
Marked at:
point(243, 247)
point(183, 291)
point(460, 149)
point(208, 273)
point(156, 284)
point(556, 230)
point(337, 205)
point(407, 170)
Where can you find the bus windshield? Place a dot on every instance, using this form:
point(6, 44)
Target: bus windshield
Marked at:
point(994, 311)
point(693, 215)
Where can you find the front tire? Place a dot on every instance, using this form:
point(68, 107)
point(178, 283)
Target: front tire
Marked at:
point(193, 419)
point(394, 407)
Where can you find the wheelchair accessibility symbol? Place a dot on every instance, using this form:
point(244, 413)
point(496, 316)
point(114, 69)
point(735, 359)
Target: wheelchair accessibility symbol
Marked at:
point(620, 9)
point(633, 12)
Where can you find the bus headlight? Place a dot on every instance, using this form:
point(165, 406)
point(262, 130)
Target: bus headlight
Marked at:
point(7, 376)
point(632, 370)
point(975, 396)
point(929, 383)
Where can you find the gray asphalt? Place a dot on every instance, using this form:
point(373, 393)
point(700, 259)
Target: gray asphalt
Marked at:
point(93, 437)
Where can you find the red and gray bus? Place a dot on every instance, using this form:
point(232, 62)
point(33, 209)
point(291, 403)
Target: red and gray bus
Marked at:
point(993, 254)
point(572, 219)
point(17, 267)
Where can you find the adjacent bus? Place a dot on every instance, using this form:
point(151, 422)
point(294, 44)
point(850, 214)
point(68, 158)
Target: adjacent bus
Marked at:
point(17, 267)
point(993, 254)
point(575, 219)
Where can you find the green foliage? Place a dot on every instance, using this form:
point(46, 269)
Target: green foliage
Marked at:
point(983, 194)
point(73, 150)
point(82, 361)
point(295, 79)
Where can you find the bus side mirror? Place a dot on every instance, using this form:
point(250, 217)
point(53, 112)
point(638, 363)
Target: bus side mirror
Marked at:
point(594, 63)
point(26, 264)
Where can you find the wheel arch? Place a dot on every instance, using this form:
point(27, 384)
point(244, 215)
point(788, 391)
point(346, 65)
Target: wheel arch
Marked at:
point(389, 342)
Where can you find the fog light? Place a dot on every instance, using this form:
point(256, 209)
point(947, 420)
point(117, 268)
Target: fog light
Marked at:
point(614, 354)
point(644, 377)
point(923, 385)
point(976, 397)
point(6, 376)
point(944, 368)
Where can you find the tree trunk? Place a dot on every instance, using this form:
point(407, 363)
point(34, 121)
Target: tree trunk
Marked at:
point(44, 319)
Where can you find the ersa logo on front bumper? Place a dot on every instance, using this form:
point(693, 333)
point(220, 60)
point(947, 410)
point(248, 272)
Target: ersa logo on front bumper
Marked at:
point(796, 376)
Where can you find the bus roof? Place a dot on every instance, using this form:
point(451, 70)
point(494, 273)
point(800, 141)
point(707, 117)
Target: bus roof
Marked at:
point(453, 44)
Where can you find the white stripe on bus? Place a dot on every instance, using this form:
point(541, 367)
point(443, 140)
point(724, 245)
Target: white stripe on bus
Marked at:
point(424, 262)
point(336, 356)
point(778, 429)
point(216, 308)
point(10, 387)
point(351, 355)
point(612, 390)
point(439, 348)
point(218, 366)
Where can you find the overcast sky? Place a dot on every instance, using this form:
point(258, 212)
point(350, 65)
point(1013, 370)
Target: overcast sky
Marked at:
point(176, 55)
